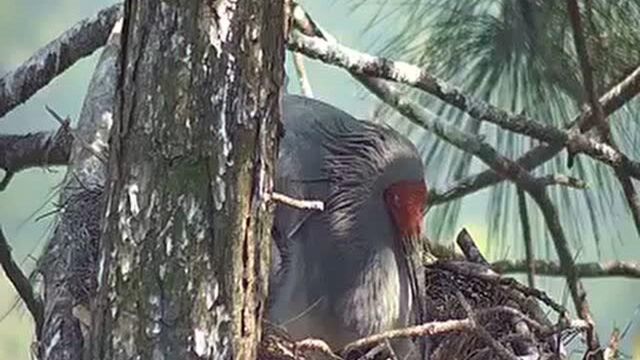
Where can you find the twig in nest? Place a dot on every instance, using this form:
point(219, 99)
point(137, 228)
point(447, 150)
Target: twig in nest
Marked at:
point(469, 248)
point(297, 203)
point(427, 329)
point(307, 346)
point(65, 125)
point(490, 276)
point(500, 350)
point(22, 285)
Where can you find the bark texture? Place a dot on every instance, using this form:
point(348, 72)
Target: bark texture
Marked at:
point(184, 258)
point(68, 266)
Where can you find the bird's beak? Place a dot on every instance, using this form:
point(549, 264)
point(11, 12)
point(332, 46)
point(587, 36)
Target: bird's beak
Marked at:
point(412, 251)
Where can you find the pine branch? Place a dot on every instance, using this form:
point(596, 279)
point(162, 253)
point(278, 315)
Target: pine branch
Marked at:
point(614, 99)
point(367, 65)
point(603, 128)
point(627, 269)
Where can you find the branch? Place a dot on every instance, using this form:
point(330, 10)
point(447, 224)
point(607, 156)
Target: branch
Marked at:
point(19, 152)
point(296, 203)
point(471, 270)
point(366, 65)
point(22, 285)
point(626, 269)
point(469, 248)
point(428, 329)
point(54, 58)
point(499, 349)
point(526, 235)
point(613, 100)
point(603, 128)
point(562, 180)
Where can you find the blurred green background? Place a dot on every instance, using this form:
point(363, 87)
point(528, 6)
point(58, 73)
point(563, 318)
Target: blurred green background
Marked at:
point(25, 25)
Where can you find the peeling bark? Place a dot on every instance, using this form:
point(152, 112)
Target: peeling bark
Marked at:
point(183, 264)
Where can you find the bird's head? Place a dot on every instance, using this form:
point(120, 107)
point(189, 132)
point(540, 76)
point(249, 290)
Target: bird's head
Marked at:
point(405, 202)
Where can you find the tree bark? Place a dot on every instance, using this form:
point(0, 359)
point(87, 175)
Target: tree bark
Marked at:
point(184, 255)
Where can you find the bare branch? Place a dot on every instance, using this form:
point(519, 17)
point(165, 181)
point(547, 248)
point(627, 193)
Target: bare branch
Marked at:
point(366, 65)
point(626, 269)
point(428, 329)
point(464, 268)
point(603, 128)
point(526, 235)
point(305, 85)
point(310, 346)
point(614, 99)
point(499, 349)
point(469, 248)
point(21, 284)
point(296, 203)
point(54, 58)
point(64, 124)
point(19, 152)
point(562, 180)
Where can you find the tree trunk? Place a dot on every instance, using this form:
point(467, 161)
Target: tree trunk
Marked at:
point(184, 256)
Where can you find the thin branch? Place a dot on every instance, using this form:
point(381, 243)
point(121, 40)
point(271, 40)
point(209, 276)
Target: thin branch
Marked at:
point(499, 349)
point(22, 285)
point(469, 248)
point(54, 58)
point(19, 152)
point(603, 128)
point(627, 269)
point(64, 124)
point(297, 203)
point(562, 180)
point(614, 99)
point(367, 65)
point(305, 85)
point(526, 235)
point(428, 329)
point(310, 346)
point(465, 268)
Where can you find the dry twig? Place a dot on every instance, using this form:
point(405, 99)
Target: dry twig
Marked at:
point(316, 205)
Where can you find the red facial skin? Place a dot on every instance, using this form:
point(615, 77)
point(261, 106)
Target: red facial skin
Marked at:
point(405, 201)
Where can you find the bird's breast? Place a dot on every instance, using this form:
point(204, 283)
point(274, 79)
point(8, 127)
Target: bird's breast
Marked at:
point(380, 299)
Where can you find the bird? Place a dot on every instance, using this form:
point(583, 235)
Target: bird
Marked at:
point(353, 269)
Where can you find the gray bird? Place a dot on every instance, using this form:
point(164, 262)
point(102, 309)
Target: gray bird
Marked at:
point(350, 270)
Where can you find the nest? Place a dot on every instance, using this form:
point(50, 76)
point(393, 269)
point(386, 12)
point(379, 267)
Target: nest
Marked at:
point(499, 309)
point(502, 309)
